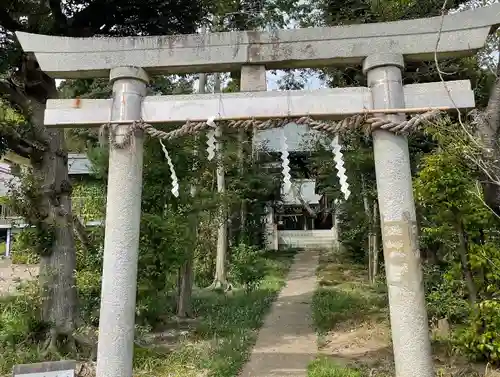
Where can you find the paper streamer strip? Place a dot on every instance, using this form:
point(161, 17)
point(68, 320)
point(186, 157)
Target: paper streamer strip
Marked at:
point(211, 139)
point(285, 164)
point(339, 159)
point(175, 182)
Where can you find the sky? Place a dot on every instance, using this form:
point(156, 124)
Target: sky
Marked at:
point(272, 82)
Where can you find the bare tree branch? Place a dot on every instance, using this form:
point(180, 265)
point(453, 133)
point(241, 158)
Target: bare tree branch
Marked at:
point(304, 204)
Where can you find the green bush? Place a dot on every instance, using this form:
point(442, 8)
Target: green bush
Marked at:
point(480, 339)
point(20, 328)
point(3, 248)
point(447, 297)
point(247, 266)
point(23, 248)
point(18, 315)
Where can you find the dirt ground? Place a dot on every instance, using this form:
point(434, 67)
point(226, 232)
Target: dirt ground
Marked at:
point(11, 275)
point(363, 340)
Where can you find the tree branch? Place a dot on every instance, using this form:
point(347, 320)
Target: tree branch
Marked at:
point(59, 17)
point(16, 145)
point(304, 204)
point(8, 23)
point(88, 21)
point(14, 96)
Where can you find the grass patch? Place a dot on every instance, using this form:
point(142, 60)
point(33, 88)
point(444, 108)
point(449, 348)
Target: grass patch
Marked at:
point(217, 346)
point(344, 295)
point(228, 326)
point(325, 367)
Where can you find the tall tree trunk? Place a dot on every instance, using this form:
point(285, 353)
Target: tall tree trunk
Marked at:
point(186, 271)
point(464, 259)
point(368, 214)
point(242, 140)
point(186, 280)
point(375, 235)
point(220, 279)
point(57, 266)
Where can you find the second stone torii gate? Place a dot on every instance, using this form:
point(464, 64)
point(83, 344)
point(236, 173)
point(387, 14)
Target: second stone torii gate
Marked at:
point(382, 48)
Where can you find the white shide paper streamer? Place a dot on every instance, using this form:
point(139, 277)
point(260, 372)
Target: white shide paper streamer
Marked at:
point(285, 164)
point(339, 159)
point(175, 182)
point(211, 139)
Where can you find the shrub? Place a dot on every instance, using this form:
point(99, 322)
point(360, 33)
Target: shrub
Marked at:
point(20, 329)
point(480, 339)
point(18, 315)
point(247, 266)
point(447, 298)
point(23, 248)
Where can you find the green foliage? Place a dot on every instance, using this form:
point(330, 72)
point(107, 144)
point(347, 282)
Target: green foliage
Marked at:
point(18, 316)
point(353, 222)
point(452, 209)
point(88, 275)
point(20, 328)
point(24, 247)
point(339, 299)
point(447, 298)
point(247, 266)
point(325, 367)
point(167, 239)
point(32, 243)
point(163, 245)
point(80, 18)
point(219, 343)
point(445, 185)
point(89, 200)
point(480, 339)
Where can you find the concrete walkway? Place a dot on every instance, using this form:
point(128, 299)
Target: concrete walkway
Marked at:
point(287, 340)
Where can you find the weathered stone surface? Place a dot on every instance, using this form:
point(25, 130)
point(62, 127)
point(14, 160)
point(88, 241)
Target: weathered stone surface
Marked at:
point(65, 368)
point(462, 34)
point(321, 104)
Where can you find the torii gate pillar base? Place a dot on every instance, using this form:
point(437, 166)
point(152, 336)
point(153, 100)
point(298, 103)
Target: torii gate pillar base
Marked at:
point(408, 312)
point(121, 243)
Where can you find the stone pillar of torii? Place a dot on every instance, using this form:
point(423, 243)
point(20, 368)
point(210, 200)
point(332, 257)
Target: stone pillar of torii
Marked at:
point(382, 48)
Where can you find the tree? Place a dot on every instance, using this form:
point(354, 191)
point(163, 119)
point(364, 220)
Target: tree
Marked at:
point(443, 189)
point(26, 88)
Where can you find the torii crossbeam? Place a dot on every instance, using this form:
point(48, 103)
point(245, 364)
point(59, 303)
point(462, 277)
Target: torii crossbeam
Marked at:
point(460, 34)
point(332, 104)
point(382, 48)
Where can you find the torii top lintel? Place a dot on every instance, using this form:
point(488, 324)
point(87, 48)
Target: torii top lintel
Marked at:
point(462, 34)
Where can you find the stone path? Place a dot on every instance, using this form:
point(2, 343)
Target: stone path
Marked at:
point(287, 340)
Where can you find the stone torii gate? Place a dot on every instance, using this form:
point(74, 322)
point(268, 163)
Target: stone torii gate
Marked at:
point(382, 48)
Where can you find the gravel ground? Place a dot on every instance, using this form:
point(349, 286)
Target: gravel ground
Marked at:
point(11, 274)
